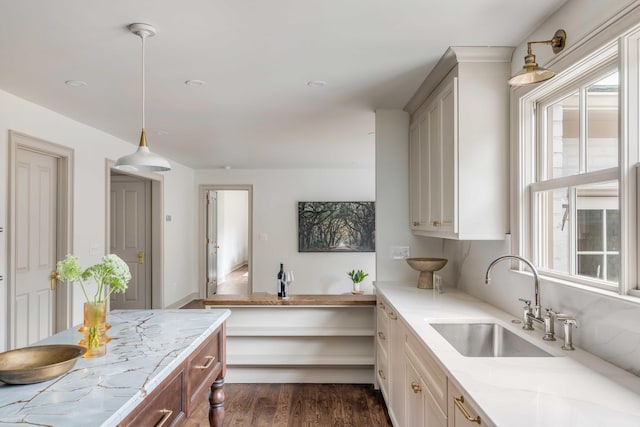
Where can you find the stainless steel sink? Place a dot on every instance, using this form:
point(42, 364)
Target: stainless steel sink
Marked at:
point(487, 340)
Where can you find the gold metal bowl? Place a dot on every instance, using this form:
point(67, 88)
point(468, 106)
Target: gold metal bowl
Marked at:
point(35, 364)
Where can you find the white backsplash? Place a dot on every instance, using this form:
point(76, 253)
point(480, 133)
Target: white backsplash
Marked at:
point(607, 327)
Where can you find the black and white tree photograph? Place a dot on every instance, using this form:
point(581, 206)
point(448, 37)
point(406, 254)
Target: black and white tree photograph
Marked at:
point(336, 226)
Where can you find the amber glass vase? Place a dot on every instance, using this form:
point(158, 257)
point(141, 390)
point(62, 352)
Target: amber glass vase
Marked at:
point(94, 329)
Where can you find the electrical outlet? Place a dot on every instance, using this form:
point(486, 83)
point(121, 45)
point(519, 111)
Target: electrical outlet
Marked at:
point(400, 252)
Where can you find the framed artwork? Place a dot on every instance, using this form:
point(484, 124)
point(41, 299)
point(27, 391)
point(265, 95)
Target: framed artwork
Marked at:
point(336, 226)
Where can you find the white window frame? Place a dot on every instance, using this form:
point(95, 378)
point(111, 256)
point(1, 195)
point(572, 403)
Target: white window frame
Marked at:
point(618, 43)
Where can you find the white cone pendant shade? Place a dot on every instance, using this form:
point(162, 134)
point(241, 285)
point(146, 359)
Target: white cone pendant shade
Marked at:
point(143, 160)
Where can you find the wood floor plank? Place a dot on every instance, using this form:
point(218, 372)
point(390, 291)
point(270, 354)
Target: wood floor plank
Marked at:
point(285, 394)
point(298, 405)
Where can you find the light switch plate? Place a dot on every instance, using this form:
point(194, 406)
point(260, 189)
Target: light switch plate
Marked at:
point(400, 252)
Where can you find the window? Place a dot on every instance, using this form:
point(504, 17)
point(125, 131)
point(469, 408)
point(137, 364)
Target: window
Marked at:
point(576, 191)
point(577, 194)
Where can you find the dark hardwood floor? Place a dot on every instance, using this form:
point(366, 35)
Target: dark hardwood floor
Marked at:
point(293, 405)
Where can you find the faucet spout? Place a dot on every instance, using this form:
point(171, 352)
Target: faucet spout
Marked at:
point(536, 278)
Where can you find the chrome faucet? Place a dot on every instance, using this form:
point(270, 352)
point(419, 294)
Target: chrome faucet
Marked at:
point(529, 316)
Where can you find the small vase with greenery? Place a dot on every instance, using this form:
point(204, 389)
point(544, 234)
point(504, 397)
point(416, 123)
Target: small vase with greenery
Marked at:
point(111, 276)
point(357, 277)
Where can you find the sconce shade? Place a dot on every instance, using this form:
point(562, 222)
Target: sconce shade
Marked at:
point(531, 73)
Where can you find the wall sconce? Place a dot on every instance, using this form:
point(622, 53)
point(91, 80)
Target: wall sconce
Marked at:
point(531, 72)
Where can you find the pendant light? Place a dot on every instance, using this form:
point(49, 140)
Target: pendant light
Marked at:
point(143, 160)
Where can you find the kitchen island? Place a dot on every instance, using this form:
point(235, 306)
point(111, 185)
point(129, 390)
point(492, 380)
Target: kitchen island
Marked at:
point(159, 365)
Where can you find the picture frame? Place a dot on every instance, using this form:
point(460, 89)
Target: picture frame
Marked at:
point(336, 226)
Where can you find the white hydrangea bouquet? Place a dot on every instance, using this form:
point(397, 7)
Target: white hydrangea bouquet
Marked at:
point(111, 275)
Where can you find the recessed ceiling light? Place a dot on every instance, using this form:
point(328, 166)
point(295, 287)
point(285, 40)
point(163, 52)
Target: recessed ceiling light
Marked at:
point(75, 83)
point(316, 83)
point(195, 82)
point(226, 167)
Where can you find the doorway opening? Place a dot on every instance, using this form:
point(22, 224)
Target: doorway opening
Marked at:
point(225, 244)
point(40, 233)
point(134, 232)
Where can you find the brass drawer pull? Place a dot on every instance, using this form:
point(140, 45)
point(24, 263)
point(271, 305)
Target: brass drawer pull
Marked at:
point(381, 373)
point(381, 335)
point(393, 316)
point(167, 414)
point(459, 401)
point(210, 360)
point(416, 388)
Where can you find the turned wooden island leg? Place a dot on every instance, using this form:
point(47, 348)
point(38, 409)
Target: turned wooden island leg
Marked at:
point(216, 403)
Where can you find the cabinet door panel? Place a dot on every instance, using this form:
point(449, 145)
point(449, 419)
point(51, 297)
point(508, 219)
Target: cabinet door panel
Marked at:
point(414, 401)
point(449, 164)
point(434, 165)
point(425, 189)
point(415, 185)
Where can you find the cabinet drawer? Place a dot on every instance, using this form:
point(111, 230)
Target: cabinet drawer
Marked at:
point(165, 405)
point(202, 367)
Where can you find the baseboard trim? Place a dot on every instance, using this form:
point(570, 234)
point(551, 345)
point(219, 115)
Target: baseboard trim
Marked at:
point(315, 375)
point(184, 301)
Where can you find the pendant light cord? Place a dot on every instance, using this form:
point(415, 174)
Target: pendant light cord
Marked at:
point(143, 36)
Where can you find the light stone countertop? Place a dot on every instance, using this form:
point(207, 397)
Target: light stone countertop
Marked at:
point(146, 346)
point(573, 389)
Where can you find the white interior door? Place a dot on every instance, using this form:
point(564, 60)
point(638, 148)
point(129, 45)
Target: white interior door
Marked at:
point(130, 238)
point(35, 248)
point(212, 242)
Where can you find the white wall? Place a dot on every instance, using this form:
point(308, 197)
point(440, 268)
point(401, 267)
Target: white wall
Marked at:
point(392, 197)
point(607, 327)
point(91, 148)
point(233, 230)
point(275, 216)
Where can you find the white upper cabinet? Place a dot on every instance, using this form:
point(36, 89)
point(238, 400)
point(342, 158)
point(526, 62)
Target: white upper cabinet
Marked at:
point(459, 147)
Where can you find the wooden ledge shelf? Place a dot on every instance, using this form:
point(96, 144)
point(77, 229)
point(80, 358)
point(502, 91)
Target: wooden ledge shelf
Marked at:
point(266, 299)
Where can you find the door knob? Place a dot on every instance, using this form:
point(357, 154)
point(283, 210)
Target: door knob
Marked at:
point(54, 277)
point(141, 257)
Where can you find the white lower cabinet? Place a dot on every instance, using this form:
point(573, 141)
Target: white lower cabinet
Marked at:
point(425, 389)
point(462, 411)
point(390, 339)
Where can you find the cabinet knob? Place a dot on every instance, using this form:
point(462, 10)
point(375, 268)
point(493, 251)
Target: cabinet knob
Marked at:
point(437, 223)
point(416, 223)
point(381, 305)
point(416, 388)
point(381, 335)
point(381, 373)
point(393, 316)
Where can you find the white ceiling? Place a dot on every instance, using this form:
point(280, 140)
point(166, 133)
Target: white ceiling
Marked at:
point(256, 110)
